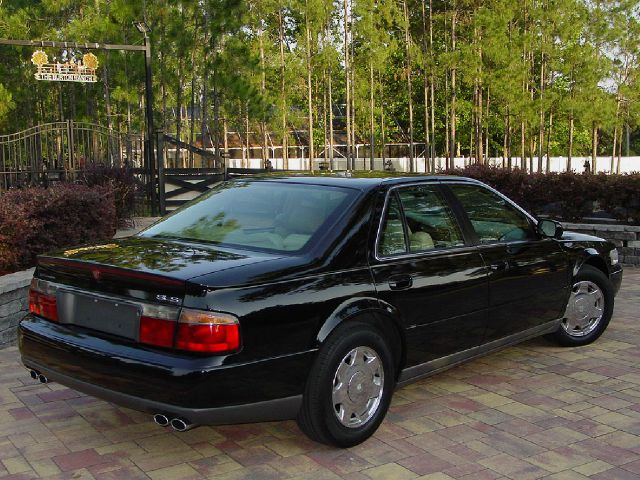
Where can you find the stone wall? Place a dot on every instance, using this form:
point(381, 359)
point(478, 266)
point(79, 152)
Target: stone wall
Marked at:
point(14, 303)
point(625, 237)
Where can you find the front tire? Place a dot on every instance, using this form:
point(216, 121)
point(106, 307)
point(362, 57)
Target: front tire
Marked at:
point(589, 308)
point(349, 387)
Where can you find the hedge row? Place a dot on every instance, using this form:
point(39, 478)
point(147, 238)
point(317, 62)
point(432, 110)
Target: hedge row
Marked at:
point(36, 220)
point(565, 196)
point(120, 180)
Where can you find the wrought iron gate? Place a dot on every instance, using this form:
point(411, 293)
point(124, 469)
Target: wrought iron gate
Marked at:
point(58, 150)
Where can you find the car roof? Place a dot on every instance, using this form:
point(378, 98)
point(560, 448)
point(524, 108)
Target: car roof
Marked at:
point(360, 183)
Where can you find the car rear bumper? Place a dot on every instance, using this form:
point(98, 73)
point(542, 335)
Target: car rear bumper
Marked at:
point(269, 410)
point(203, 390)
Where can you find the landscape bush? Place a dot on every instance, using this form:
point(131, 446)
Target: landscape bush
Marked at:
point(36, 220)
point(567, 196)
point(120, 180)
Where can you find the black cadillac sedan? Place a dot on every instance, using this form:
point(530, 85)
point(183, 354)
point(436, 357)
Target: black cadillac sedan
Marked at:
point(310, 298)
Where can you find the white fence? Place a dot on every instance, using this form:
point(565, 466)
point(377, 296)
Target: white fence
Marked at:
point(557, 164)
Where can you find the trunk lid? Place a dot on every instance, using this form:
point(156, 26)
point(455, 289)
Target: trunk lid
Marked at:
point(140, 267)
point(113, 287)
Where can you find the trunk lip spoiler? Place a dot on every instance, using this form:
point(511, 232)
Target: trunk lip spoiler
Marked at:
point(98, 269)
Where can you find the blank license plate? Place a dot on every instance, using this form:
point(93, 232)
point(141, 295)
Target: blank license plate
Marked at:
point(104, 315)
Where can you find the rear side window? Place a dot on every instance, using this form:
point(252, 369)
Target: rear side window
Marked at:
point(430, 223)
point(492, 217)
point(392, 236)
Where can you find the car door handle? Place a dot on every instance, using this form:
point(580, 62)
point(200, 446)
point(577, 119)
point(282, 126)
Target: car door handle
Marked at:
point(499, 266)
point(400, 282)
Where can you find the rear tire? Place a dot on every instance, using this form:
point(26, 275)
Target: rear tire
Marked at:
point(589, 309)
point(349, 387)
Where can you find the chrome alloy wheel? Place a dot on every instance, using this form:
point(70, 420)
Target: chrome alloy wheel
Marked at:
point(584, 310)
point(357, 387)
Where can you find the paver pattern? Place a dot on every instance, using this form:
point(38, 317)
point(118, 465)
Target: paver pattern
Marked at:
point(527, 412)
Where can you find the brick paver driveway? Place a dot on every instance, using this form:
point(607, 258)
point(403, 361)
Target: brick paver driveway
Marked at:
point(527, 412)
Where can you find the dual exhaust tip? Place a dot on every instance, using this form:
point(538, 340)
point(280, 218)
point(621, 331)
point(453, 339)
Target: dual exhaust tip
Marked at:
point(38, 376)
point(178, 424)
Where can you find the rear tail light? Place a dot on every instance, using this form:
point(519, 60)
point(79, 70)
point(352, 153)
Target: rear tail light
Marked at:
point(195, 330)
point(157, 325)
point(42, 299)
point(212, 332)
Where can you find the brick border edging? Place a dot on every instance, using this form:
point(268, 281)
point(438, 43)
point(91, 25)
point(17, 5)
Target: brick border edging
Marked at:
point(14, 303)
point(625, 237)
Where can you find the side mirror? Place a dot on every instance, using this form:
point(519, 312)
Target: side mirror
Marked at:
point(550, 229)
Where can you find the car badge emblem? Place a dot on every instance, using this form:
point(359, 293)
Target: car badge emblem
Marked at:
point(166, 298)
point(97, 275)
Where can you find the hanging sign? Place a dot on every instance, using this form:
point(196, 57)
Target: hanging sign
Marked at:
point(67, 70)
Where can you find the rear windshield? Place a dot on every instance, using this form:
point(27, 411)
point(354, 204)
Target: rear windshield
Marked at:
point(263, 215)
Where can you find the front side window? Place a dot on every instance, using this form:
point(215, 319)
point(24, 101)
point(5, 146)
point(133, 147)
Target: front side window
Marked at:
point(276, 216)
point(430, 221)
point(492, 217)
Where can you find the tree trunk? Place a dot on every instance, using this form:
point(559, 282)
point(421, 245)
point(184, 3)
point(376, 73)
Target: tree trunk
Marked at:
point(247, 134)
point(309, 93)
point(571, 129)
point(541, 113)
point(447, 128)
point(407, 39)
point(548, 169)
point(225, 139)
point(523, 158)
point(325, 153)
point(427, 139)
point(505, 135)
point(372, 141)
point(615, 135)
point(263, 89)
point(352, 83)
point(216, 119)
point(478, 106)
point(283, 96)
point(433, 93)
point(532, 147)
point(452, 122)
point(594, 146)
point(478, 129)
point(525, 89)
point(486, 127)
point(179, 93)
point(61, 104)
point(619, 152)
point(347, 81)
point(204, 107)
point(192, 123)
point(107, 96)
point(163, 79)
point(331, 137)
point(614, 149)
